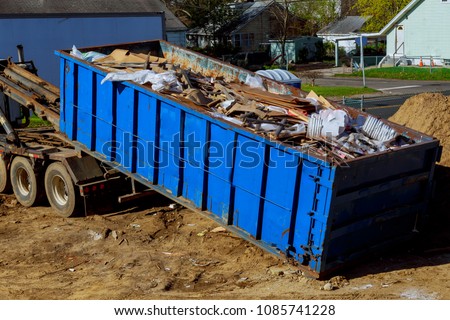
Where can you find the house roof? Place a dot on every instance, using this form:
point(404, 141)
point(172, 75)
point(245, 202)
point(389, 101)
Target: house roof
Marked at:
point(46, 8)
point(347, 25)
point(250, 10)
point(405, 11)
point(247, 11)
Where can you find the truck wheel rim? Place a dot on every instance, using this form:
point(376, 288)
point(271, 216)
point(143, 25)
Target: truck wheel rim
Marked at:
point(59, 190)
point(23, 182)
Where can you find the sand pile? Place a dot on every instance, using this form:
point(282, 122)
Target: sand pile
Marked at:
point(428, 113)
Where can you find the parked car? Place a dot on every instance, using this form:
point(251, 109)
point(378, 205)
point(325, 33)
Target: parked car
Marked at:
point(371, 57)
point(367, 52)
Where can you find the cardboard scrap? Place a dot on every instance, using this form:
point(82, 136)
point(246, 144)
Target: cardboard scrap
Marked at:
point(197, 97)
point(246, 108)
point(121, 56)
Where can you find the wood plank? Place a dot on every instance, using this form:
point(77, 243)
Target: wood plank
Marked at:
point(269, 95)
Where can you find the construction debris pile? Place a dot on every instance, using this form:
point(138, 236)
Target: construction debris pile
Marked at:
point(310, 124)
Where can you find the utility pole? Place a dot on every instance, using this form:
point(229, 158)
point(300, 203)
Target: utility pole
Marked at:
point(361, 49)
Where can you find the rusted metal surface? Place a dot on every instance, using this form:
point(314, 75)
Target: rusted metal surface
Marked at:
point(47, 138)
point(194, 61)
point(34, 78)
point(63, 154)
point(29, 85)
point(41, 143)
point(29, 100)
point(213, 68)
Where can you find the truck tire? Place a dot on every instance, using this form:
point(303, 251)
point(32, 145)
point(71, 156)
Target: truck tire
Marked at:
point(26, 185)
point(61, 193)
point(5, 180)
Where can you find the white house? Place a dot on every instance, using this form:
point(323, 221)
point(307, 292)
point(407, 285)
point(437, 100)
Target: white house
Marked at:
point(421, 29)
point(419, 32)
point(43, 26)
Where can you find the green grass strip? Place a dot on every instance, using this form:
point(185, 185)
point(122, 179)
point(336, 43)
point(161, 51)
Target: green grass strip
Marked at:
point(404, 73)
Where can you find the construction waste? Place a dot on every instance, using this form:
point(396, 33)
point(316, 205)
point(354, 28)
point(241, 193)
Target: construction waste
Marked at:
point(309, 124)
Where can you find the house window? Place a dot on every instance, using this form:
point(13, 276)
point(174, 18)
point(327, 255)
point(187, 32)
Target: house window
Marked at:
point(251, 39)
point(244, 40)
point(247, 40)
point(237, 40)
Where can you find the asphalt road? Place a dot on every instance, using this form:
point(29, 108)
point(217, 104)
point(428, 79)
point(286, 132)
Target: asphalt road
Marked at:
point(382, 106)
point(392, 95)
point(388, 86)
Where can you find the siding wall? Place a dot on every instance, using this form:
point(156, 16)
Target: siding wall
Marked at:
point(426, 30)
point(177, 37)
point(261, 28)
point(42, 36)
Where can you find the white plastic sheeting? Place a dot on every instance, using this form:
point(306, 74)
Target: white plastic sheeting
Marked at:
point(166, 80)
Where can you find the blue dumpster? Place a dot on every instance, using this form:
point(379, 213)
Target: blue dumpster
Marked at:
point(291, 202)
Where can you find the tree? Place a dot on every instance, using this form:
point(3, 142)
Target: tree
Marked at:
point(317, 13)
point(209, 15)
point(347, 8)
point(281, 14)
point(380, 12)
point(286, 23)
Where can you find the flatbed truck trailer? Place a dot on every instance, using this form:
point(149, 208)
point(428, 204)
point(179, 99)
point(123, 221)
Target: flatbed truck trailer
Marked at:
point(39, 163)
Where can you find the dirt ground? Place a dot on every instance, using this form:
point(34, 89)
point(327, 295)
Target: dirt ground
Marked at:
point(152, 250)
